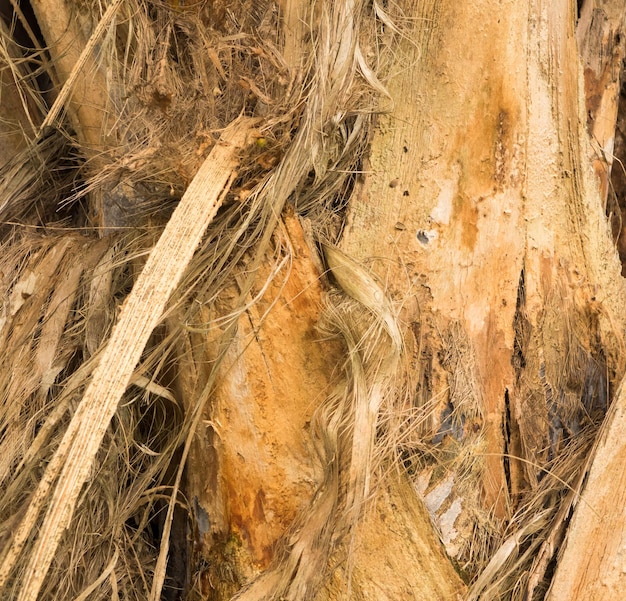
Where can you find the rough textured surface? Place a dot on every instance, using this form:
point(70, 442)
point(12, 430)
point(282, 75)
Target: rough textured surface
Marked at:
point(395, 534)
point(483, 216)
point(489, 225)
point(602, 44)
point(65, 475)
point(456, 149)
point(592, 562)
point(277, 372)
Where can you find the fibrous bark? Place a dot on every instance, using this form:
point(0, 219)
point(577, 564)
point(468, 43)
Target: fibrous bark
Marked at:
point(447, 357)
point(487, 216)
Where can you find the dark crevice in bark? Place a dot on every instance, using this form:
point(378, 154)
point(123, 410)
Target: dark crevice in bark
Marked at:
point(21, 36)
point(520, 327)
point(616, 205)
point(506, 435)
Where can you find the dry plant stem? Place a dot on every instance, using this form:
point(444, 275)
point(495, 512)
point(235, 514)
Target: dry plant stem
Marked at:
point(360, 285)
point(105, 574)
point(63, 31)
point(79, 67)
point(295, 12)
point(591, 563)
point(140, 314)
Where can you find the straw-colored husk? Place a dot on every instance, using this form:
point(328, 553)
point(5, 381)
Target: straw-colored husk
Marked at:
point(157, 122)
point(151, 212)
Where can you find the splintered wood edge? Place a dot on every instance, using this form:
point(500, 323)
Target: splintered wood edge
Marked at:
point(591, 561)
point(140, 314)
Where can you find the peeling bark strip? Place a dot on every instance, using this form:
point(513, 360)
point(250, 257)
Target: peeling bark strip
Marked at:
point(591, 567)
point(78, 70)
point(75, 65)
point(140, 314)
point(602, 46)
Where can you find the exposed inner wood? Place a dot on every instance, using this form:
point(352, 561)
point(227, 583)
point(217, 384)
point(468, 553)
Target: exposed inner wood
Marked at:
point(489, 219)
point(591, 562)
point(480, 210)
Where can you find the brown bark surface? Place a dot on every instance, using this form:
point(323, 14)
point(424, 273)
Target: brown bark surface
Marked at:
point(483, 219)
point(275, 375)
point(485, 213)
point(602, 46)
point(258, 432)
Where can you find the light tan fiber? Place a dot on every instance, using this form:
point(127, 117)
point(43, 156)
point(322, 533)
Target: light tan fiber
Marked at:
point(139, 315)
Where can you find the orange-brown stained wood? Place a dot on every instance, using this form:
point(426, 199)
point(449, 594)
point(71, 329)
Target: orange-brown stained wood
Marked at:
point(487, 153)
point(276, 374)
point(455, 142)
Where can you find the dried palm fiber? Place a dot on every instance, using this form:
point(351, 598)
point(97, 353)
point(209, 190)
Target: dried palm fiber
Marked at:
point(73, 460)
point(325, 108)
point(569, 393)
point(32, 182)
point(517, 568)
point(437, 439)
point(161, 96)
point(24, 158)
point(53, 288)
point(567, 382)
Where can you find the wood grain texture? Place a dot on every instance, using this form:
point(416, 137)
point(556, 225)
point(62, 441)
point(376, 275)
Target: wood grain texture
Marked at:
point(602, 42)
point(592, 562)
point(140, 313)
point(479, 211)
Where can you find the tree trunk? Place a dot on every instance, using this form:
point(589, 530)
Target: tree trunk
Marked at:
point(384, 370)
point(487, 216)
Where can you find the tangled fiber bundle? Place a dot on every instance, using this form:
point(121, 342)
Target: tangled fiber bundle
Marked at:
point(147, 208)
point(165, 80)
